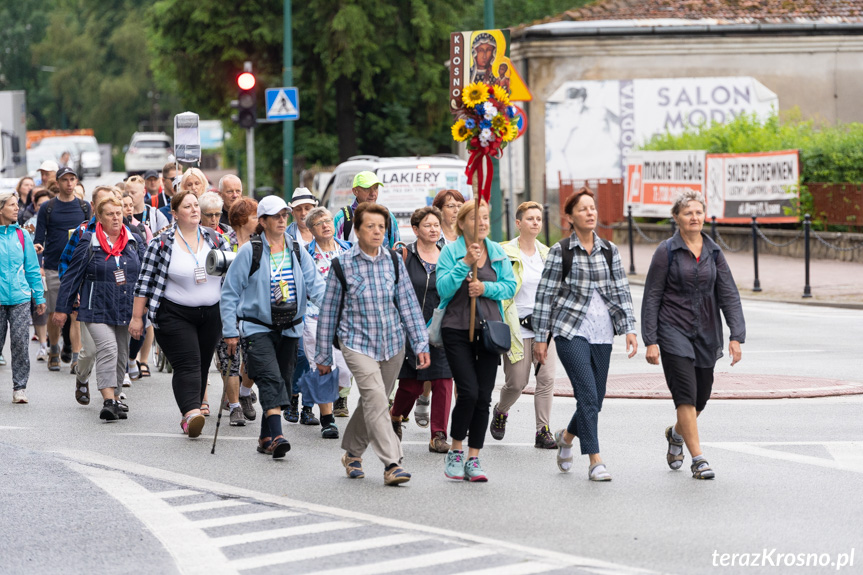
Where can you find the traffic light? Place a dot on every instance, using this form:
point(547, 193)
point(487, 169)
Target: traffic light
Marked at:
point(246, 103)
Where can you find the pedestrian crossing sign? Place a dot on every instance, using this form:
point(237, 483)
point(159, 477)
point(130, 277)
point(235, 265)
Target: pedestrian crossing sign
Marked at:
point(283, 104)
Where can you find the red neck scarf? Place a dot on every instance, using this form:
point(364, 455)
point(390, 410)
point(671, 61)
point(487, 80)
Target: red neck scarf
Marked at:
point(119, 246)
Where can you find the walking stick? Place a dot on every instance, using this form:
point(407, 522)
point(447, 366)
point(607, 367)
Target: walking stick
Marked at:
point(474, 267)
point(225, 377)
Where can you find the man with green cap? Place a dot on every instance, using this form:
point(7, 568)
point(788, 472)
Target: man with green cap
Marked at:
point(365, 189)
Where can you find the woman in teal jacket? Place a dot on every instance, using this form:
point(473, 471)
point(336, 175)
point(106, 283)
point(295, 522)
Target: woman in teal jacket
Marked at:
point(19, 268)
point(473, 368)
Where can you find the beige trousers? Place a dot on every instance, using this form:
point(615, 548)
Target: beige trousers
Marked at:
point(370, 422)
point(517, 376)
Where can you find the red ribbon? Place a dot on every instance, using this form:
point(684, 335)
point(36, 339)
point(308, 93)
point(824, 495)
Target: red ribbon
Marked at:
point(479, 164)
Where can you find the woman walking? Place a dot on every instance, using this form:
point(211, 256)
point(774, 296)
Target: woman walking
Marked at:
point(421, 263)
point(369, 305)
point(687, 285)
point(474, 368)
point(102, 273)
point(21, 284)
point(182, 302)
point(324, 248)
point(449, 202)
point(527, 256)
point(583, 301)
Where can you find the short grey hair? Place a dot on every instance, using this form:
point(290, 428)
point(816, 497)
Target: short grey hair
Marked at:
point(683, 200)
point(210, 201)
point(227, 177)
point(315, 215)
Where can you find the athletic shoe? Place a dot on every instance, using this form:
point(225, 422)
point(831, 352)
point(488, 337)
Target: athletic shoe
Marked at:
point(18, 396)
point(279, 447)
point(110, 411)
point(544, 439)
point(193, 425)
point(2, 360)
point(42, 354)
point(340, 407)
point(123, 407)
point(473, 471)
point(353, 466)
point(308, 418)
point(237, 417)
point(330, 431)
point(498, 424)
point(422, 411)
point(246, 403)
point(438, 443)
point(292, 414)
point(395, 475)
point(126, 381)
point(454, 468)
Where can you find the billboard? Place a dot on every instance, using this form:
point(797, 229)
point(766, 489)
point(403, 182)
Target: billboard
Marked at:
point(655, 179)
point(763, 184)
point(592, 126)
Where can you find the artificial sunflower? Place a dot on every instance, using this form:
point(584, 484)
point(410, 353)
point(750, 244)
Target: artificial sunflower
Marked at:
point(474, 94)
point(498, 122)
point(510, 132)
point(501, 95)
point(460, 131)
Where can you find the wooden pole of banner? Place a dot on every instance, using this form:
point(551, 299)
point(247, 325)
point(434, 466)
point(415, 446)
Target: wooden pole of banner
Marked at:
point(474, 268)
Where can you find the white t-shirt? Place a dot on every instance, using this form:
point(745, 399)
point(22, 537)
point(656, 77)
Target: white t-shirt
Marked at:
point(181, 287)
point(524, 299)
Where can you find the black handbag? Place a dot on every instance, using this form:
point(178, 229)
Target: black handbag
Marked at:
point(495, 336)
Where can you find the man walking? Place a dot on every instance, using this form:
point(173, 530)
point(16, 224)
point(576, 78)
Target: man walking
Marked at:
point(231, 189)
point(365, 188)
point(147, 215)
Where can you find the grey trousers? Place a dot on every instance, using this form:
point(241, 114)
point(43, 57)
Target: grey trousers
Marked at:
point(87, 357)
point(112, 353)
point(370, 422)
point(17, 316)
point(517, 376)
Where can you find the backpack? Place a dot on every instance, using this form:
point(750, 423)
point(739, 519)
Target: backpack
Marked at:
point(568, 253)
point(336, 267)
point(21, 239)
point(291, 321)
point(258, 251)
point(349, 224)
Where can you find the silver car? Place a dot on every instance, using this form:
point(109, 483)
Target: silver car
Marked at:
point(148, 151)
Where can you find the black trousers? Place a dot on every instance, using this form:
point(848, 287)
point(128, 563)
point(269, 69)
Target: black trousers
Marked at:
point(474, 371)
point(271, 359)
point(188, 336)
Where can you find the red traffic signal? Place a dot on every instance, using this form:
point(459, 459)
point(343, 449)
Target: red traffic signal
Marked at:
point(246, 81)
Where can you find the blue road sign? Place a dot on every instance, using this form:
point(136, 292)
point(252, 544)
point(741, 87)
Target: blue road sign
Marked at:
point(283, 104)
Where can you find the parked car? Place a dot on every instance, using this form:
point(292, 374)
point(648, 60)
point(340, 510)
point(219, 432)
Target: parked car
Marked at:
point(409, 183)
point(147, 151)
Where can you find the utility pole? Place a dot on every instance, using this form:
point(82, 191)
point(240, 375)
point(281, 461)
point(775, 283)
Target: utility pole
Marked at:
point(288, 127)
point(496, 196)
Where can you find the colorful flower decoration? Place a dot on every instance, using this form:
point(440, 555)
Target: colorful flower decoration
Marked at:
point(460, 131)
point(474, 94)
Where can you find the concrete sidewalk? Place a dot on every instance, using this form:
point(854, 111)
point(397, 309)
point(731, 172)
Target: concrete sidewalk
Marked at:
point(782, 279)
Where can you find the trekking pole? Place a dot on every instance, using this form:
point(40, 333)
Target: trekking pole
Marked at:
point(222, 403)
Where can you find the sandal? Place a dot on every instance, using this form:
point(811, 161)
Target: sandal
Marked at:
point(264, 444)
point(82, 392)
point(143, 369)
point(598, 472)
point(701, 470)
point(674, 461)
point(563, 463)
point(205, 409)
point(279, 447)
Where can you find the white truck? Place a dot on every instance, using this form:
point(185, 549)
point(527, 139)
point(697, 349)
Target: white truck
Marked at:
point(13, 134)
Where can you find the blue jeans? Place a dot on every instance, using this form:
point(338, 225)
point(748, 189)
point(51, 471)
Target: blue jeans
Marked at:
point(587, 367)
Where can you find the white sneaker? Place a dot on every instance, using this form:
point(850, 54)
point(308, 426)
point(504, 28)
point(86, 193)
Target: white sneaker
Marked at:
point(122, 395)
point(18, 396)
point(126, 381)
point(42, 355)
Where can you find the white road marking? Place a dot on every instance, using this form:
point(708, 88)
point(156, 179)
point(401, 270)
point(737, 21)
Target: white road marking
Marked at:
point(193, 551)
point(516, 569)
point(254, 536)
point(172, 493)
point(207, 505)
point(847, 455)
point(327, 550)
point(12, 427)
point(416, 561)
point(244, 518)
point(489, 444)
point(509, 548)
point(184, 438)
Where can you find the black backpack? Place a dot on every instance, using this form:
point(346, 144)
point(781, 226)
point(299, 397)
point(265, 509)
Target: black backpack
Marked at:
point(567, 253)
point(336, 268)
point(258, 251)
point(282, 315)
point(349, 224)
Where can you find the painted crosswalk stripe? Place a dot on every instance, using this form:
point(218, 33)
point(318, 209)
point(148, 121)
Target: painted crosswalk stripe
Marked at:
point(515, 569)
point(207, 505)
point(243, 538)
point(327, 550)
point(416, 561)
point(244, 518)
point(172, 493)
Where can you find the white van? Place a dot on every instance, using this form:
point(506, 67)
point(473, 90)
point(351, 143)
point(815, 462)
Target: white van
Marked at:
point(409, 183)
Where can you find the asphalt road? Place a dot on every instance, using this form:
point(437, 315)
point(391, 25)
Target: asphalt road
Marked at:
point(79, 495)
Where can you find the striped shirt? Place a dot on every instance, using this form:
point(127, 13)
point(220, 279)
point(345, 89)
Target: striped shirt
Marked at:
point(281, 269)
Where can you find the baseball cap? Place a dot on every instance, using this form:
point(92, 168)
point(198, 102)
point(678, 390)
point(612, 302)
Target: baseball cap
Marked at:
point(366, 180)
point(151, 174)
point(303, 196)
point(272, 205)
point(49, 166)
point(63, 171)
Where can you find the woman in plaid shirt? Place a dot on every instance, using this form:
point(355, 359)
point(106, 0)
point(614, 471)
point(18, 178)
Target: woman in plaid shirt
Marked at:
point(583, 311)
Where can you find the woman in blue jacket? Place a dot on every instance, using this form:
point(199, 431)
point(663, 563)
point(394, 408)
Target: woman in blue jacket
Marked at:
point(103, 271)
point(19, 268)
point(473, 367)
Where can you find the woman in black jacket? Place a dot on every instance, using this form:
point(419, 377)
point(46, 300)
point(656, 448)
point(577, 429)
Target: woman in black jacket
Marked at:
point(421, 259)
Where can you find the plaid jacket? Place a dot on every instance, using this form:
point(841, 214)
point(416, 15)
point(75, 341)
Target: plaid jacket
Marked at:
point(154, 268)
point(371, 321)
point(74, 238)
point(561, 303)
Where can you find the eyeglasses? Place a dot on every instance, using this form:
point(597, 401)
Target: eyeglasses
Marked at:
point(327, 221)
point(212, 214)
point(452, 206)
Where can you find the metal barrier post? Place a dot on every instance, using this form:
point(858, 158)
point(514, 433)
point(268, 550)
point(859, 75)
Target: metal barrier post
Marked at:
point(506, 215)
point(546, 222)
point(631, 241)
point(807, 222)
point(713, 228)
point(756, 287)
